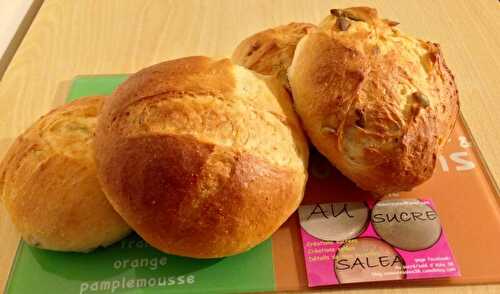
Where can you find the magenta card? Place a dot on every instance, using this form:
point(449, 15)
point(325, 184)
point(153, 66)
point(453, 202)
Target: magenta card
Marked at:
point(392, 239)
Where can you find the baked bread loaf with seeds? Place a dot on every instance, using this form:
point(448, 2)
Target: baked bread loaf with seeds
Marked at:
point(270, 52)
point(49, 186)
point(379, 104)
point(201, 157)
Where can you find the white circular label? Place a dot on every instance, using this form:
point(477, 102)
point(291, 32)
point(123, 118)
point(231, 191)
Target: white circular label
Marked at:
point(368, 259)
point(408, 224)
point(334, 221)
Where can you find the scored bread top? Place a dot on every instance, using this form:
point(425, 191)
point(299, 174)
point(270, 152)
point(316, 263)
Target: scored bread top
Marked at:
point(49, 186)
point(225, 106)
point(377, 103)
point(202, 158)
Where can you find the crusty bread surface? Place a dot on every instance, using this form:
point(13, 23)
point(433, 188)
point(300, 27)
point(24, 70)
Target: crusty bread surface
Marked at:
point(377, 103)
point(270, 52)
point(201, 157)
point(49, 186)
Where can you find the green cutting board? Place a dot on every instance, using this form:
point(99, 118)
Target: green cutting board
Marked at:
point(131, 266)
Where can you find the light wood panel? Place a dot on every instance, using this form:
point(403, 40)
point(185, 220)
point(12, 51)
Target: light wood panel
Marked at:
point(69, 38)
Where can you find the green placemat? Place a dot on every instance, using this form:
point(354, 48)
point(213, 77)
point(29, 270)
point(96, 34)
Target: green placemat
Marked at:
point(131, 266)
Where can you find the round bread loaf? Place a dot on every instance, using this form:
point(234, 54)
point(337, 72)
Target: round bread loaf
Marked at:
point(377, 103)
point(49, 186)
point(202, 158)
point(270, 52)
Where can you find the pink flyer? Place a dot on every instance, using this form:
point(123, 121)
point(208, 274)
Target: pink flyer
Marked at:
point(392, 239)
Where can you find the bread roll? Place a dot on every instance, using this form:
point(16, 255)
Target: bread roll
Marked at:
point(270, 52)
point(49, 186)
point(377, 103)
point(202, 158)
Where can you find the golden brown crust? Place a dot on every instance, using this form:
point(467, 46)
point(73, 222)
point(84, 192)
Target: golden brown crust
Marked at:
point(50, 188)
point(378, 104)
point(208, 169)
point(197, 199)
point(270, 52)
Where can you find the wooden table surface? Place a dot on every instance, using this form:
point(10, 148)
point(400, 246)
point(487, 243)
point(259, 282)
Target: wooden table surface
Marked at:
point(69, 38)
